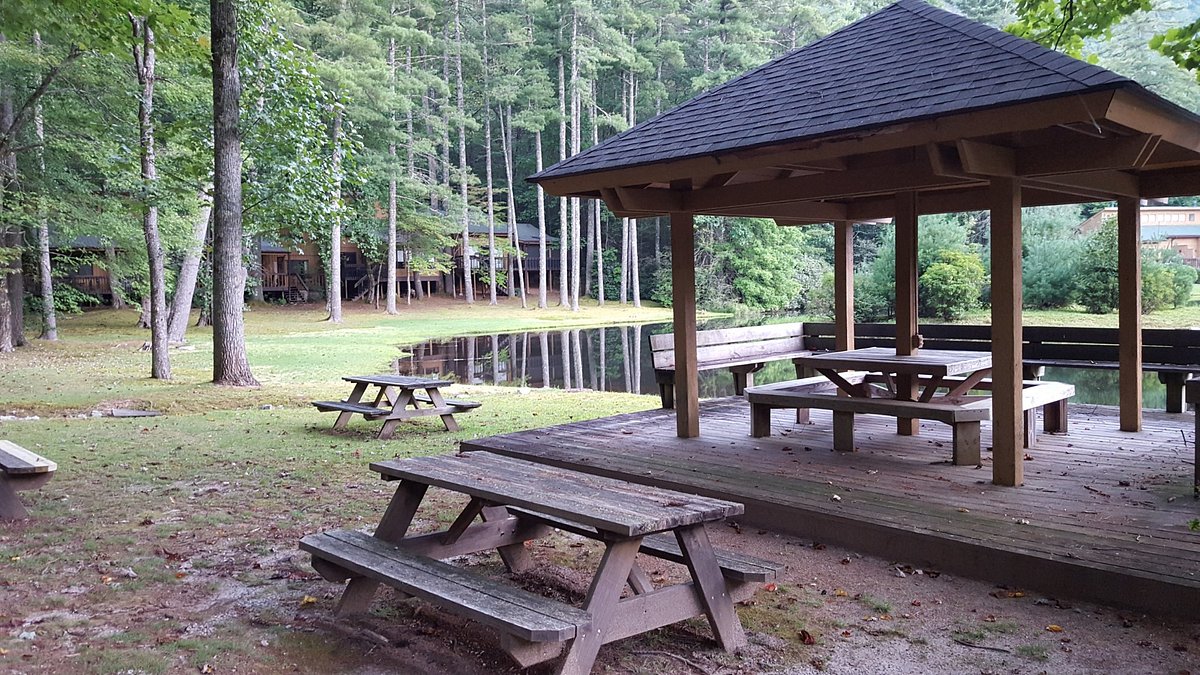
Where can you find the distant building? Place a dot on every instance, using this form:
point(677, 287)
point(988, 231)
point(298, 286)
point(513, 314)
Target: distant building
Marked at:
point(1174, 227)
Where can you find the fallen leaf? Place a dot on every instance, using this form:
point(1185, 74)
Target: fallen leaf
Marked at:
point(807, 638)
point(1054, 628)
point(837, 592)
point(3, 651)
point(770, 588)
point(308, 600)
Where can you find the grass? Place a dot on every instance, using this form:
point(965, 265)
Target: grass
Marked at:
point(1034, 652)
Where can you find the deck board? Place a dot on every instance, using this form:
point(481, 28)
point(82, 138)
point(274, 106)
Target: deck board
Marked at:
point(1072, 529)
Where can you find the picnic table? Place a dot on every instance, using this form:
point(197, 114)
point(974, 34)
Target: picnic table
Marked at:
point(519, 501)
point(398, 398)
point(936, 365)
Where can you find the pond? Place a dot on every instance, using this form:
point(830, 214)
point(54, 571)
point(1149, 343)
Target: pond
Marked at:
point(617, 358)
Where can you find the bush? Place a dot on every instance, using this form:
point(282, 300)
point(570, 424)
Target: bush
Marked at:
point(1050, 273)
point(1097, 280)
point(950, 287)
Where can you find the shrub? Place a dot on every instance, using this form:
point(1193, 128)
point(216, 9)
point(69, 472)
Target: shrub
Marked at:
point(1098, 283)
point(950, 287)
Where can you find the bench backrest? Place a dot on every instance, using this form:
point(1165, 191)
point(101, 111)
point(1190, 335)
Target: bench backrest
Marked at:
point(17, 460)
point(730, 344)
point(1043, 343)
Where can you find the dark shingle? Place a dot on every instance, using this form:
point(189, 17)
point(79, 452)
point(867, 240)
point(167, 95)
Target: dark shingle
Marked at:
point(907, 61)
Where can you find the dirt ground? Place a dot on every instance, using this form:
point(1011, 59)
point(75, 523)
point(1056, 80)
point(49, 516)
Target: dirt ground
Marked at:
point(263, 610)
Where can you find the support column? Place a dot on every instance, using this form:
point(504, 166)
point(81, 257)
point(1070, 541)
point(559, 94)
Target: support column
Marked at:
point(843, 283)
point(683, 299)
point(1007, 418)
point(1129, 272)
point(906, 298)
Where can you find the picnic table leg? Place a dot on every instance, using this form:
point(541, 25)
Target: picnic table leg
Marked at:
point(343, 417)
point(11, 507)
point(966, 444)
point(601, 603)
point(515, 556)
point(396, 520)
point(400, 403)
point(1054, 417)
point(843, 431)
point(710, 586)
point(438, 402)
point(760, 420)
point(1029, 437)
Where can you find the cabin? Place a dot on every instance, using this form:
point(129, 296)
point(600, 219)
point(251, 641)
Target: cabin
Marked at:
point(527, 241)
point(1166, 227)
point(84, 258)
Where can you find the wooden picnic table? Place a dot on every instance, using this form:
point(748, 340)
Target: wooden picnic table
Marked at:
point(934, 364)
point(399, 398)
point(520, 501)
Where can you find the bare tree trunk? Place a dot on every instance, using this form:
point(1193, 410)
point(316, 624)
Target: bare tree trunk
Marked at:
point(635, 274)
point(544, 343)
point(45, 273)
point(514, 237)
point(575, 118)
point(189, 271)
point(599, 252)
point(541, 210)
point(8, 178)
point(468, 282)
point(624, 260)
point(391, 234)
point(564, 233)
point(335, 231)
point(593, 223)
point(230, 365)
point(114, 283)
point(143, 57)
point(487, 163)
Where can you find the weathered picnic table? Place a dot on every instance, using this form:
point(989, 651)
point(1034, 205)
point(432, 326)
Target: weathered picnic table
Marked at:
point(399, 398)
point(519, 501)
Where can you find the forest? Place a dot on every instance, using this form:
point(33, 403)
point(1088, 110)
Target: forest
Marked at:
point(396, 124)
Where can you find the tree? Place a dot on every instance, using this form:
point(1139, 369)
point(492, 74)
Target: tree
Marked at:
point(1099, 285)
point(230, 365)
point(951, 286)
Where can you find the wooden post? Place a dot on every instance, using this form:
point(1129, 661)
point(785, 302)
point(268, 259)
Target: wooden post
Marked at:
point(906, 298)
point(1008, 420)
point(1129, 271)
point(843, 294)
point(683, 298)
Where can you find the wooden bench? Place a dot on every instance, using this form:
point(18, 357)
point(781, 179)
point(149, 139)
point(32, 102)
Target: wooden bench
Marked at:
point(20, 469)
point(964, 417)
point(744, 351)
point(1193, 397)
point(532, 626)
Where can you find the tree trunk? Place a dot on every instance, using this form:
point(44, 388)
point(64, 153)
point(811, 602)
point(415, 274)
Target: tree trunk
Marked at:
point(541, 211)
point(114, 282)
point(230, 365)
point(514, 236)
point(468, 283)
point(575, 118)
point(143, 57)
point(189, 271)
point(634, 273)
point(335, 231)
point(45, 273)
point(564, 234)
point(487, 163)
point(624, 260)
point(391, 233)
point(256, 268)
point(12, 304)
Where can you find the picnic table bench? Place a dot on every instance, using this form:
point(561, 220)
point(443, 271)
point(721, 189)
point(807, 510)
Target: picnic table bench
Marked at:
point(20, 469)
point(399, 398)
point(1193, 397)
point(519, 501)
point(744, 351)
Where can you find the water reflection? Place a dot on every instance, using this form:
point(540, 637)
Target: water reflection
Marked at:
point(618, 358)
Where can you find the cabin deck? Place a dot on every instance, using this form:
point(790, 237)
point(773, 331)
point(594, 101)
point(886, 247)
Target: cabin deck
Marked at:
point(1103, 514)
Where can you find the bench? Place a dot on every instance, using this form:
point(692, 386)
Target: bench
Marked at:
point(1173, 354)
point(1193, 397)
point(20, 469)
point(454, 402)
point(744, 351)
point(533, 627)
point(964, 416)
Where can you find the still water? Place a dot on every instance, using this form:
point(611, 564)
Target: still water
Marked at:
point(617, 358)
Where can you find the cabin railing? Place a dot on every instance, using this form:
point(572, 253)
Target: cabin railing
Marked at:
point(97, 284)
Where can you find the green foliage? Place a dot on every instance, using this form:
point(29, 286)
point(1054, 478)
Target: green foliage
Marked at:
point(1181, 45)
point(875, 291)
point(1066, 24)
point(1167, 280)
point(1050, 270)
point(763, 257)
point(1098, 283)
point(950, 287)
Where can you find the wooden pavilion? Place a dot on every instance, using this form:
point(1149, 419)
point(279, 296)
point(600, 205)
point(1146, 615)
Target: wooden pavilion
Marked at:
point(910, 111)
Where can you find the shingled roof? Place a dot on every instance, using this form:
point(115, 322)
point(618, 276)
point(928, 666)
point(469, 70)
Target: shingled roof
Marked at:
point(907, 62)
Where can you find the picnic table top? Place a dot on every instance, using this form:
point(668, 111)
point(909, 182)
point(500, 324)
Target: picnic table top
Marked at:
point(611, 505)
point(388, 380)
point(937, 362)
point(18, 460)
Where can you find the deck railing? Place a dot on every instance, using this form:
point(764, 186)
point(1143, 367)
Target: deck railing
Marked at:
point(96, 284)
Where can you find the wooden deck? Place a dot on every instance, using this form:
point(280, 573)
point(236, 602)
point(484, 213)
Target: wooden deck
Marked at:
point(1103, 514)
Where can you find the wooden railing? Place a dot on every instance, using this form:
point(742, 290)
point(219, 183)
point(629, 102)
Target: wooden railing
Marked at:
point(94, 284)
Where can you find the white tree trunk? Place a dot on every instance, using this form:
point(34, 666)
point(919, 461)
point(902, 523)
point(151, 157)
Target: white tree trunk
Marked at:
point(575, 138)
point(143, 57)
point(564, 233)
point(541, 214)
point(189, 271)
point(391, 233)
point(468, 282)
point(45, 273)
point(335, 231)
point(514, 237)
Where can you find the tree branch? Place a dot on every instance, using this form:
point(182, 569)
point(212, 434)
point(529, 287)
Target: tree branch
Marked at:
point(24, 114)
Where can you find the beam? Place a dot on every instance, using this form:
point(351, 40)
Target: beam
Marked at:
point(843, 283)
point(1007, 377)
point(1102, 185)
point(907, 340)
point(1139, 112)
point(683, 298)
point(1171, 183)
point(1129, 272)
point(1088, 154)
